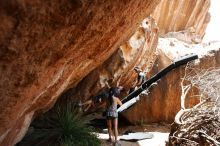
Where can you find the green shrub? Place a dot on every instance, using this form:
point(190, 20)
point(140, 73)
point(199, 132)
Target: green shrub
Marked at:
point(63, 126)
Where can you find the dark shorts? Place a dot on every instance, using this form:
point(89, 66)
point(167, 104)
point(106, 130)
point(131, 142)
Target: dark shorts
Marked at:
point(111, 118)
point(111, 114)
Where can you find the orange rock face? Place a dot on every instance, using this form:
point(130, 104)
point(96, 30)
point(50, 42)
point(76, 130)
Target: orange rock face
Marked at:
point(173, 15)
point(139, 50)
point(190, 19)
point(49, 46)
point(163, 100)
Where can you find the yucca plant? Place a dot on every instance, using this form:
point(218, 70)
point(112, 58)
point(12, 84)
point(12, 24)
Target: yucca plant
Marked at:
point(62, 126)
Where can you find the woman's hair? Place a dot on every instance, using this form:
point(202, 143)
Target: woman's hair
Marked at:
point(114, 91)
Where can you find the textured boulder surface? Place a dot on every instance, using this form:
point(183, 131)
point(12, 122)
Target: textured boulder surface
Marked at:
point(184, 20)
point(173, 15)
point(163, 100)
point(47, 47)
point(139, 50)
point(72, 46)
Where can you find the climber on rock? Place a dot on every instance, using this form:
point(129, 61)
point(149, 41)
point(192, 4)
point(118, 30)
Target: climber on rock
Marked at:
point(141, 78)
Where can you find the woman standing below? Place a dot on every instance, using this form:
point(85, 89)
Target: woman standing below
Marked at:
point(112, 114)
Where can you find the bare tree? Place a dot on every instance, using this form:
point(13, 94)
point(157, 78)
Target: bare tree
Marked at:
point(199, 125)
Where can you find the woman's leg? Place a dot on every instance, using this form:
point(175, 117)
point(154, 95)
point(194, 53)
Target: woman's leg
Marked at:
point(115, 125)
point(109, 124)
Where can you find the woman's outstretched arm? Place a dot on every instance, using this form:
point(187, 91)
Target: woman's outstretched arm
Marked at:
point(119, 102)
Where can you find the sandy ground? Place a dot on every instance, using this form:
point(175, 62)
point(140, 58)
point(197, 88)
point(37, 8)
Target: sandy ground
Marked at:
point(159, 139)
point(160, 135)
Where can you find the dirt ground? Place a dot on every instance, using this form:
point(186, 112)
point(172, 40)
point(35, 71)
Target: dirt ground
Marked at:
point(155, 127)
point(123, 143)
point(158, 128)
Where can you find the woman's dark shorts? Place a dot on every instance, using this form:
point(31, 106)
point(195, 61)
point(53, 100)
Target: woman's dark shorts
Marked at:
point(111, 118)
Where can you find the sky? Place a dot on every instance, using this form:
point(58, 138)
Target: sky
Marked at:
point(213, 29)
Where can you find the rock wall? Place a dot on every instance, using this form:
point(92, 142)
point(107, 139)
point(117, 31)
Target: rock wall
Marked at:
point(47, 47)
point(173, 15)
point(189, 19)
point(50, 47)
point(163, 99)
point(139, 50)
